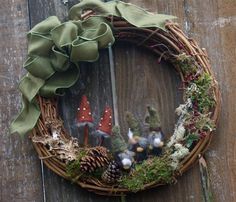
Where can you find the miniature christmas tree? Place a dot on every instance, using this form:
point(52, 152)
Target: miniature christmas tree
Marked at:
point(153, 119)
point(105, 125)
point(118, 143)
point(84, 117)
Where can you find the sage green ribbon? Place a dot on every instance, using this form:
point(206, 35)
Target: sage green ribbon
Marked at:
point(131, 13)
point(55, 50)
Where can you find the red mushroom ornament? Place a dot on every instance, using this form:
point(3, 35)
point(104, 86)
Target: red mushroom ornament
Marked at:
point(84, 117)
point(105, 125)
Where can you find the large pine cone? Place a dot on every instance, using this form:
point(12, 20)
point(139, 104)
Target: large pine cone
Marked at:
point(112, 173)
point(96, 157)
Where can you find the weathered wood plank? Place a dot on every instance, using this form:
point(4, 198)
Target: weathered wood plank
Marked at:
point(38, 11)
point(20, 173)
point(216, 31)
point(41, 9)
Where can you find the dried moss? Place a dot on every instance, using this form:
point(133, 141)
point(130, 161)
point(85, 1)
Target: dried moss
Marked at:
point(204, 94)
point(156, 169)
point(201, 92)
point(205, 97)
point(186, 64)
point(73, 167)
point(74, 172)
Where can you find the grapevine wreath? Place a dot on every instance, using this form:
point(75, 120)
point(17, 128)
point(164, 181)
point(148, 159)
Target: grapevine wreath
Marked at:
point(144, 161)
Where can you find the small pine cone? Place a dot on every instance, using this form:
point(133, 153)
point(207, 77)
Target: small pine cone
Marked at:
point(112, 173)
point(96, 157)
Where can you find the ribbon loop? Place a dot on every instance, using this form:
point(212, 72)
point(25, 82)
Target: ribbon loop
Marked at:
point(59, 60)
point(85, 51)
point(39, 44)
point(60, 81)
point(64, 34)
point(39, 67)
point(46, 25)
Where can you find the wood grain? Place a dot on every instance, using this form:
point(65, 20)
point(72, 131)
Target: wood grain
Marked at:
point(218, 26)
point(19, 163)
point(140, 81)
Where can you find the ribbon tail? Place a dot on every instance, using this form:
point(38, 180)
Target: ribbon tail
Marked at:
point(27, 118)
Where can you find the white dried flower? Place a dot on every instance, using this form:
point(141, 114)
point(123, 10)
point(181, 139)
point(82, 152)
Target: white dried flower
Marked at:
point(178, 135)
point(183, 108)
point(179, 154)
point(180, 109)
point(193, 88)
point(189, 103)
point(174, 164)
point(179, 132)
point(55, 135)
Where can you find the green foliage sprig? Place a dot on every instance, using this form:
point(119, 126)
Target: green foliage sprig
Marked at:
point(190, 139)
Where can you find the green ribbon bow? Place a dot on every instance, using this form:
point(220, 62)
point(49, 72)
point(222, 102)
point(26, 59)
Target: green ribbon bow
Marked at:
point(55, 50)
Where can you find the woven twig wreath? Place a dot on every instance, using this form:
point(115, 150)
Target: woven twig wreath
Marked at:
point(193, 132)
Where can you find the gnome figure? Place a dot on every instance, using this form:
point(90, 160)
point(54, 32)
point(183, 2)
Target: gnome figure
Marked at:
point(137, 144)
point(119, 148)
point(84, 118)
point(156, 136)
point(105, 125)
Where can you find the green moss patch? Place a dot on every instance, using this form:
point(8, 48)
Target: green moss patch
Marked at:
point(156, 169)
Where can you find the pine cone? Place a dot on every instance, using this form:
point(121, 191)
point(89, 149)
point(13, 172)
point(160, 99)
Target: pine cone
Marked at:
point(112, 173)
point(96, 157)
